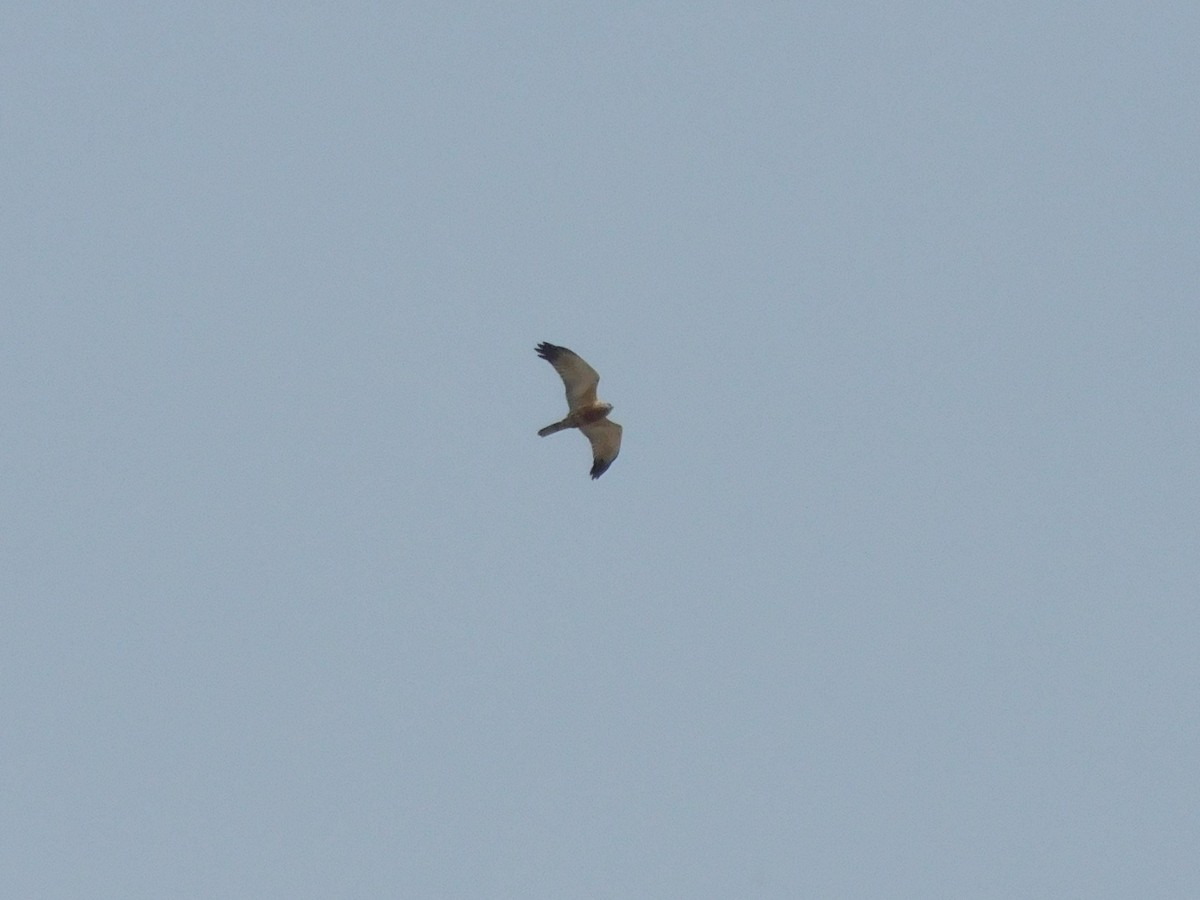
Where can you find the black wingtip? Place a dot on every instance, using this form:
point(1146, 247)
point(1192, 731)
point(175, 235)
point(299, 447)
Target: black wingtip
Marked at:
point(550, 352)
point(600, 467)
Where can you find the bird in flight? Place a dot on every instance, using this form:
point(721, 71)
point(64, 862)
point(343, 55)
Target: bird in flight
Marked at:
point(584, 411)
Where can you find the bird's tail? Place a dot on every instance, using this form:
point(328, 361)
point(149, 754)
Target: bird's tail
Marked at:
point(550, 429)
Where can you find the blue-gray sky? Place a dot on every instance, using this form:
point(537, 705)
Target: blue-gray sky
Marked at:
point(893, 591)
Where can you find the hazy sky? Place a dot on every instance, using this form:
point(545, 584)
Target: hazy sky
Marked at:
point(894, 591)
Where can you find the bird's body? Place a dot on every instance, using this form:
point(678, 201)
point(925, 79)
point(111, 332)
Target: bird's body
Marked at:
point(584, 410)
point(578, 419)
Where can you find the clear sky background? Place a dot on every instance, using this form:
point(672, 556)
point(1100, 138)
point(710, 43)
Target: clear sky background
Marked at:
point(893, 592)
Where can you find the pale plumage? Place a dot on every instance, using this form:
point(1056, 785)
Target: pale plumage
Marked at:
point(584, 411)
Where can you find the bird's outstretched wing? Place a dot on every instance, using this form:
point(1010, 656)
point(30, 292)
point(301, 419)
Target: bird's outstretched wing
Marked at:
point(605, 437)
point(579, 378)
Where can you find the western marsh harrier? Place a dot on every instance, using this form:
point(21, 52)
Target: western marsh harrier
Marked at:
point(584, 411)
